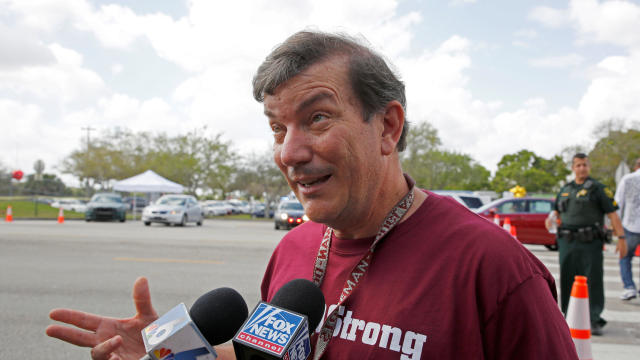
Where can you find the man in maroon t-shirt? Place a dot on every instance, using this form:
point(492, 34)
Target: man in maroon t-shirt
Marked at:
point(406, 274)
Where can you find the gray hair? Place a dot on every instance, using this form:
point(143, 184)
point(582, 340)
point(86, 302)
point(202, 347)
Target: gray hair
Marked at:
point(372, 81)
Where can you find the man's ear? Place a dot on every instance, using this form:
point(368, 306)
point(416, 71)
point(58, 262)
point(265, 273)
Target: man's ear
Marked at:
point(393, 123)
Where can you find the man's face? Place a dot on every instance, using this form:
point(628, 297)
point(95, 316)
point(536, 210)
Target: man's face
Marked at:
point(581, 168)
point(328, 154)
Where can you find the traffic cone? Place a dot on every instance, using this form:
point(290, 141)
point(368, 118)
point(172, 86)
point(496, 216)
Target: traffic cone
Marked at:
point(507, 225)
point(60, 216)
point(513, 232)
point(638, 251)
point(496, 219)
point(578, 318)
point(9, 217)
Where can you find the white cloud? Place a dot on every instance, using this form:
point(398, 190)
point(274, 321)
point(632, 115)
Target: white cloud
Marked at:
point(65, 81)
point(47, 15)
point(221, 52)
point(613, 92)
point(612, 22)
point(563, 61)
point(66, 56)
point(117, 69)
point(548, 16)
point(20, 49)
point(35, 138)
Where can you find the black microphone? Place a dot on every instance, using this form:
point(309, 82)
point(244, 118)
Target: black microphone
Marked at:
point(281, 329)
point(213, 319)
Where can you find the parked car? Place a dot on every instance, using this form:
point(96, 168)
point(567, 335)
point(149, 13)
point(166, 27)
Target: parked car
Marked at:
point(238, 206)
point(173, 209)
point(527, 215)
point(216, 208)
point(140, 202)
point(258, 210)
point(70, 205)
point(290, 213)
point(106, 206)
point(469, 200)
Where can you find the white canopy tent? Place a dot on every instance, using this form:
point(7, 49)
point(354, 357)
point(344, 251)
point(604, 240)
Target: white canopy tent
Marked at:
point(147, 182)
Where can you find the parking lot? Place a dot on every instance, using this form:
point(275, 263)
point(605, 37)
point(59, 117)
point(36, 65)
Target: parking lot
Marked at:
point(92, 266)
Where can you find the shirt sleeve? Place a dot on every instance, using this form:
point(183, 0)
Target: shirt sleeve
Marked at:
point(528, 325)
point(604, 197)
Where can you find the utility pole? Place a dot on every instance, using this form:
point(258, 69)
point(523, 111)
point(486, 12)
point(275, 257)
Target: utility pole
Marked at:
point(88, 129)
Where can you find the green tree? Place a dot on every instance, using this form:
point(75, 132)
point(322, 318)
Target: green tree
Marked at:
point(5, 180)
point(527, 169)
point(45, 184)
point(195, 160)
point(261, 178)
point(614, 144)
point(434, 168)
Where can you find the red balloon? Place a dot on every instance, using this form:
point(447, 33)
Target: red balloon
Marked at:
point(18, 174)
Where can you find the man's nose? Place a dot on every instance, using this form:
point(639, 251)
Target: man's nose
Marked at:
point(296, 148)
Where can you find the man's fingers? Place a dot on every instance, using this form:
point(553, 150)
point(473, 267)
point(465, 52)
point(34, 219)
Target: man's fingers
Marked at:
point(142, 298)
point(80, 319)
point(72, 336)
point(103, 351)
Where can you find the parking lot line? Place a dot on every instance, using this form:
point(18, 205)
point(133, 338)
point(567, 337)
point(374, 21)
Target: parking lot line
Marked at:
point(165, 260)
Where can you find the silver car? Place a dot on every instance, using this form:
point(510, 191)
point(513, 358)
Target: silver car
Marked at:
point(173, 209)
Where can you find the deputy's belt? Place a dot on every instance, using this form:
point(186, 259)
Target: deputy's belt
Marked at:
point(584, 234)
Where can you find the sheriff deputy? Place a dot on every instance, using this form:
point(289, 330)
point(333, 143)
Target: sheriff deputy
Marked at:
point(581, 205)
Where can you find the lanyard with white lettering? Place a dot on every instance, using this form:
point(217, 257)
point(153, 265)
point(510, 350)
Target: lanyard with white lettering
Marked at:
point(320, 268)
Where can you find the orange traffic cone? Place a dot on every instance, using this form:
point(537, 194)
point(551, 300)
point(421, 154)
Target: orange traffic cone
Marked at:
point(60, 216)
point(9, 217)
point(496, 219)
point(513, 232)
point(638, 251)
point(507, 225)
point(578, 318)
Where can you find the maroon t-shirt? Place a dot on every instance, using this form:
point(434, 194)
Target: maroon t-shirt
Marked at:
point(444, 284)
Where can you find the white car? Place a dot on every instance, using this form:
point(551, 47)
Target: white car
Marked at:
point(173, 209)
point(70, 205)
point(469, 200)
point(216, 208)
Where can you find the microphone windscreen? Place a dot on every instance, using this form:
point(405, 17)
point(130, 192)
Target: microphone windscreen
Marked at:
point(301, 296)
point(218, 314)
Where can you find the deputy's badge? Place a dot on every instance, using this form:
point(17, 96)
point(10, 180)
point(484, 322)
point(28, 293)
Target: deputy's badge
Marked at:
point(608, 192)
point(582, 192)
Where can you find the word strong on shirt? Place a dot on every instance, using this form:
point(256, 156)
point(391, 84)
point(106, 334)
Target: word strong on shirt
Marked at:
point(407, 343)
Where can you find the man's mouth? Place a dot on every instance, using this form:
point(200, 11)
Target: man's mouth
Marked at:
point(311, 182)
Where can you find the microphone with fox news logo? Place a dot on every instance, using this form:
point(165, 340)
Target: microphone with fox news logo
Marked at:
point(180, 335)
point(281, 329)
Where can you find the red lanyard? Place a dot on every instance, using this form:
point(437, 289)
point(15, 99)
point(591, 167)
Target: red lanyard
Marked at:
point(320, 268)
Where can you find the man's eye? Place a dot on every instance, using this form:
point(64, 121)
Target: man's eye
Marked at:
point(318, 117)
point(276, 128)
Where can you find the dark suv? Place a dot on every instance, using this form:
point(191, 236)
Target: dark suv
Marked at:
point(106, 206)
point(290, 213)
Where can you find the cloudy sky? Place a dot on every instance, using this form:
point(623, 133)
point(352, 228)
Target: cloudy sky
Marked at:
point(493, 77)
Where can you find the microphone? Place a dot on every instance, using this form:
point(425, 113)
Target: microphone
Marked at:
point(180, 335)
point(281, 329)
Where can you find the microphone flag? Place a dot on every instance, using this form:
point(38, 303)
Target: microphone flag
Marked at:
point(272, 332)
point(174, 336)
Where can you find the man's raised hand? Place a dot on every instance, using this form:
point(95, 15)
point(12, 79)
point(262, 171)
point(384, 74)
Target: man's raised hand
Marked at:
point(109, 338)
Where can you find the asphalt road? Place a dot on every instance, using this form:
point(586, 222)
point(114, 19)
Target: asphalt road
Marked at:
point(92, 266)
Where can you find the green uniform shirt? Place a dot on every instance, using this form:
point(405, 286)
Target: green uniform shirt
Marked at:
point(584, 204)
